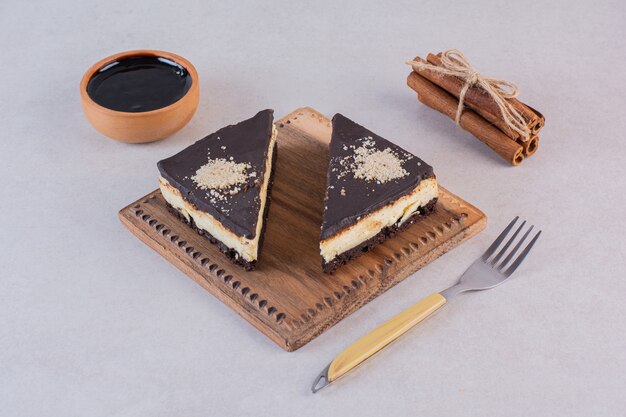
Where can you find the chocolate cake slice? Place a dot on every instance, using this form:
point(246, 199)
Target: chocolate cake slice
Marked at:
point(220, 186)
point(374, 189)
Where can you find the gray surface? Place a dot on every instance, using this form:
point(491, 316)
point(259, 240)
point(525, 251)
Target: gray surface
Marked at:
point(93, 323)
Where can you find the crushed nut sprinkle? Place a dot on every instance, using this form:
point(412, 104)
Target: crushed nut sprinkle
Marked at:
point(373, 165)
point(220, 174)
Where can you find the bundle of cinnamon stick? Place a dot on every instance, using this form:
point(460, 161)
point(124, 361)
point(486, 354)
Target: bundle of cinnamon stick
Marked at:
point(480, 114)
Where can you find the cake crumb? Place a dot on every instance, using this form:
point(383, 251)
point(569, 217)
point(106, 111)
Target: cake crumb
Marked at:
point(373, 165)
point(343, 192)
point(220, 174)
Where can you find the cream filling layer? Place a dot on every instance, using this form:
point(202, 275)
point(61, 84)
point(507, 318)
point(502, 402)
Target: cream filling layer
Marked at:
point(366, 228)
point(248, 249)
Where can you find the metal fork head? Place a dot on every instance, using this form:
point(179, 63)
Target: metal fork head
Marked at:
point(490, 269)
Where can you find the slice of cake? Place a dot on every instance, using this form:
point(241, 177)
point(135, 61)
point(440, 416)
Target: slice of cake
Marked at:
point(220, 186)
point(374, 189)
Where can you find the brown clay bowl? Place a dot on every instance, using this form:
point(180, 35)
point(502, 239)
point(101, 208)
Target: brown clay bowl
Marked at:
point(147, 126)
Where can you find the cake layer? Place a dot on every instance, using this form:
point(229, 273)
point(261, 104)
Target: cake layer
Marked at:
point(245, 247)
point(380, 237)
point(395, 213)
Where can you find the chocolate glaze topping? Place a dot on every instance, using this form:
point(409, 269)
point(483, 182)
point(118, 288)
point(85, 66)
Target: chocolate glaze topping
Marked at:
point(246, 142)
point(349, 198)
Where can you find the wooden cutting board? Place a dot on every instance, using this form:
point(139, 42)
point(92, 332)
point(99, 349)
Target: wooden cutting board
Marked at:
point(288, 297)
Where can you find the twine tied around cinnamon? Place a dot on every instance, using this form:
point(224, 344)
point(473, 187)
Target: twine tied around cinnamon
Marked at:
point(455, 64)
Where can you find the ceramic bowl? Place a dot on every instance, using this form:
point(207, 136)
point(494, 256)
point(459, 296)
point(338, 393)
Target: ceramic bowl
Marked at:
point(147, 126)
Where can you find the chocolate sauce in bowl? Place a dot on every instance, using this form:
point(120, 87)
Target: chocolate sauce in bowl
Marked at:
point(139, 84)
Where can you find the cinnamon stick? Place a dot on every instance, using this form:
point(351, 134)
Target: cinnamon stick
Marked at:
point(437, 98)
point(530, 146)
point(479, 101)
point(542, 121)
point(475, 100)
point(534, 120)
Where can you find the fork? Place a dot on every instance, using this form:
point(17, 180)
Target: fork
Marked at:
point(488, 271)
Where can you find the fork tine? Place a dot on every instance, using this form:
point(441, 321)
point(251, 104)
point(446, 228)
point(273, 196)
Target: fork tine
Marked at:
point(522, 255)
point(515, 249)
point(498, 240)
point(506, 246)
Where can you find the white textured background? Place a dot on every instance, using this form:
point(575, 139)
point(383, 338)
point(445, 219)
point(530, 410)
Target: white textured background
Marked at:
point(93, 323)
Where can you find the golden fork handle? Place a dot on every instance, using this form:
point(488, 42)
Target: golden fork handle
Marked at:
point(383, 335)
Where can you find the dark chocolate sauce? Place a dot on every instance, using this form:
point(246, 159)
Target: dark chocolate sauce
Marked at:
point(139, 84)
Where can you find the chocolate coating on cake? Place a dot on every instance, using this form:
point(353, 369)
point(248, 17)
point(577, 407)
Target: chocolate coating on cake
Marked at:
point(246, 142)
point(348, 198)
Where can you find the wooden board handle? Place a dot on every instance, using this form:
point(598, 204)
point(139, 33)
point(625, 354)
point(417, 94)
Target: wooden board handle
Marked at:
point(383, 335)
